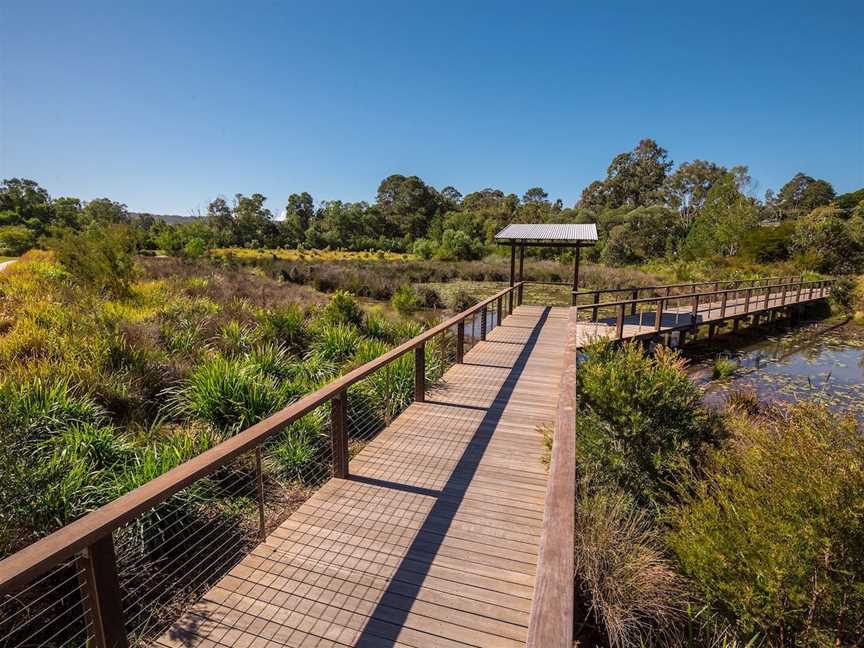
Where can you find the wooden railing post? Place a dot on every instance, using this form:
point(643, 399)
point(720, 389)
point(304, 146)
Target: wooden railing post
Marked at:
point(594, 310)
point(338, 435)
point(635, 296)
point(619, 322)
point(723, 301)
point(747, 300)
point(460, 341)
point(783, 299)
point(510, 302)
point(483, 316)
point(104, 603)
point(695, 312)
point(798, 293)
point(259, 478)
point(420, 373)
point(498, 310)
point(658, 319)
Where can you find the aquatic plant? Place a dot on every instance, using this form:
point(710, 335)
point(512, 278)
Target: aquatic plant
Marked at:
point(724, 367)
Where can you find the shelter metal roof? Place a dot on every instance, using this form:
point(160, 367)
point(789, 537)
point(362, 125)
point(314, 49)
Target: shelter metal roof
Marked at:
point(548, 232)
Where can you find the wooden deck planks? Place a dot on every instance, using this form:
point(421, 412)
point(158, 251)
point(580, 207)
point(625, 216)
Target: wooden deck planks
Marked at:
point(434, 539)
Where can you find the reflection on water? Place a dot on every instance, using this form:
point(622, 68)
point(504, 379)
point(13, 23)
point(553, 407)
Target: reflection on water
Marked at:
point(828, 368)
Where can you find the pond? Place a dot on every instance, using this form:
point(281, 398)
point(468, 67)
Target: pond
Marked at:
point(822, 362)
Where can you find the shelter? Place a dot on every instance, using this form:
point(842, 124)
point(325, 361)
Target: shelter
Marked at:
point(560, 235)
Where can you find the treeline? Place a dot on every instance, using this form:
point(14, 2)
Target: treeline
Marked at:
point(645, 209)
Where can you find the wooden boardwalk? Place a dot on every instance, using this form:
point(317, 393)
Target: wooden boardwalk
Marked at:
point(682, 318)
point(433, 540)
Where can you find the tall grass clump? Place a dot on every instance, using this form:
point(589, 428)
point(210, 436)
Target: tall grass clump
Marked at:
point(336, 342)
point(724, 367)
point(231, 394)
point(641, 419)
point(284, 325)
point(772, 534)
point(631, 588)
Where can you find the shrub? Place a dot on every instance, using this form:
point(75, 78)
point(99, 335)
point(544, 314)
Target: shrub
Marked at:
point(462, 300)
point(16, 239)
point(194, 248)
point(429, 297)
point(406, 301)
point(100, 257)
point(843, 293)
point(456, 244)
point(343, 309)
point(641, 418)
point(284, 325)
point(424, 248)
point(630, 588)
point(772, 535)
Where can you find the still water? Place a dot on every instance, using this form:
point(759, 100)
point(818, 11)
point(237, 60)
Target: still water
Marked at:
point(820, 363)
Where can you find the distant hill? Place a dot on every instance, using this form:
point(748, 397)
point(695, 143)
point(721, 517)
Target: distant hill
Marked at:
point(171, 219)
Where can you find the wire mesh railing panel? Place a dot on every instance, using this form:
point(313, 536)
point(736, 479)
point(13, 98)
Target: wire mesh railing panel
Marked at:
point(53, 610)
point(171, 555)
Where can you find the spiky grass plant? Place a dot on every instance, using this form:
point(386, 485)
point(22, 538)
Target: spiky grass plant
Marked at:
point(235, 338)
point(284, 325)
point(724, 367)
point(273, 360)
point(230, 394)
point(336, 342)
point(632, 591)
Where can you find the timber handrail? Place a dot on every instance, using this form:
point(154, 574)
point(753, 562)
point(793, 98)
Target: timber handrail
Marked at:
point(550, 624)
point(654, 300)
point(769, 293)
point(48, 552)
point(742, 282)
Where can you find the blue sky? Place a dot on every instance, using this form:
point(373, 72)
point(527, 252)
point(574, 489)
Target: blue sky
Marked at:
point(165, 105)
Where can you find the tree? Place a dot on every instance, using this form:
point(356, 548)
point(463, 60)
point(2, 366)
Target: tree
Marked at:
point(633, 178)
point(849, 201)
point(253, 222)
point(803, 194)
point(221, 219)
point(535, 195)
point(452, 194)
point(828, 243)
point(724, 220)
point(24, 202)
point(299, 213)
point(104, 211)
point(408, 202)
point(687, 188)
point(642, 234)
